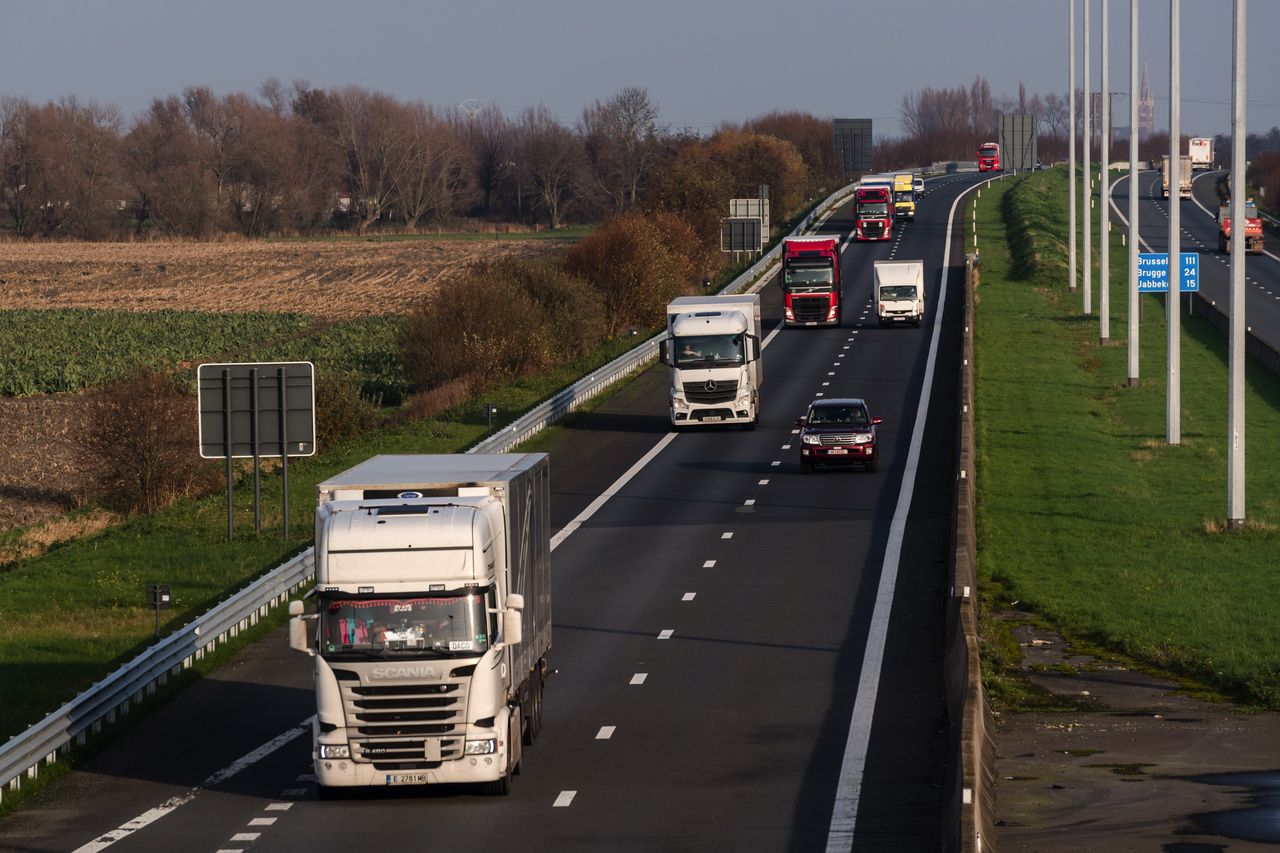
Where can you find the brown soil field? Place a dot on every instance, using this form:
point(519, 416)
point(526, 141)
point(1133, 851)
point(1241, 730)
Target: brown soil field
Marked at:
point(339, 279)
point(335, 279)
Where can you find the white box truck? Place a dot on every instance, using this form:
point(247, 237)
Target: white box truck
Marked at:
point(1184, 180)
point(432, 621)
point(713, 353)
point(898, 290)
point(1200, 149)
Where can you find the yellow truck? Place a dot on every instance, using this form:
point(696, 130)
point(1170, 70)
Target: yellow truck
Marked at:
point(904, 197)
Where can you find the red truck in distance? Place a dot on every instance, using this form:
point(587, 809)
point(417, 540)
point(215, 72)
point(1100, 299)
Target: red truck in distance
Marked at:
point(989, 157)
point(811, 284)
point(873, 213)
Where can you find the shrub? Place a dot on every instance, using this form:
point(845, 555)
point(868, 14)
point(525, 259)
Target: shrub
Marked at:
point(140, 441)
point(343, 410)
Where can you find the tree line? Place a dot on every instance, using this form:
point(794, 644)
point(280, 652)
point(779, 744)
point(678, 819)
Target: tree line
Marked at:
point(300, 160)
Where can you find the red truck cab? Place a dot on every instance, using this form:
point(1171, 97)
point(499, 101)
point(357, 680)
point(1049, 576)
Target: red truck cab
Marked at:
point(811, 283)
point(989, 157)
point(873, 213)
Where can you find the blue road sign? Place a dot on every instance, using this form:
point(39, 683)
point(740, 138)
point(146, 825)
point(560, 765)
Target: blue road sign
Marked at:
point(1153, 272)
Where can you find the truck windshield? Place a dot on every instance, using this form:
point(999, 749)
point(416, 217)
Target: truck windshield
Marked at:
point(427, 626)
point(807, 275)
point(708, 350)
point(873, 208)
point(989, 152)
point(902, 196)
point(894, 292)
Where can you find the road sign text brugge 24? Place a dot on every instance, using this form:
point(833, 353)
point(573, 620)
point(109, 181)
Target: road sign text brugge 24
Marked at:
point(1153, 272)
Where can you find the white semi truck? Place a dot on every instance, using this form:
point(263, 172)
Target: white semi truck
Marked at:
point(432, 621)
point(898, 291)
point(1183, 180)
point(713, 351)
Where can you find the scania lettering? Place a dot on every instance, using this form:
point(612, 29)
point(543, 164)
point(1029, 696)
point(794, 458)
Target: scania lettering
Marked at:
point(811, 285)
point(713, 355)
point(432, 620)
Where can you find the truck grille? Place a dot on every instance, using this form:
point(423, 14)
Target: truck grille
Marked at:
point(710, 391)
point(809, 309)
point(405, 726)
point(873, 229)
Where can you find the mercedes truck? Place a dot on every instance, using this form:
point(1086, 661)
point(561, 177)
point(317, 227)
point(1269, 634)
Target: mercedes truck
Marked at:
point(713, 354)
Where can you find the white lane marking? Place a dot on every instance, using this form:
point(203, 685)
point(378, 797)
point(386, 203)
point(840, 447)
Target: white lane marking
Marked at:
point(786, 447)
point(820, 394)
point(230, 850)
point(825, 384)
point(639, 677)
point(262, 821)
point(844, 814)
point(278, 807)
point(594, 507)
point(689, 596)
point(246, 836)
point(775, 464)
point(605, 732)
point(150, 816)
point(665, 633)
point(763, 483)
point(709, 564)
point(831, 373)
point(752, 501)
point(564, 799)
point(844, 347)
point(728, 534)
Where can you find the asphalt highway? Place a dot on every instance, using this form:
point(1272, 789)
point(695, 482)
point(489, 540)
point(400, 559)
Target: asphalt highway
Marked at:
point(715, 634)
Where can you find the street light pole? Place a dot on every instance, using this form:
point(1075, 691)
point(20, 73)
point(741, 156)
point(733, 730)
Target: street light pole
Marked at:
point(1235, 417)
point(1071, 142)
point(1133, 193)
point(1087, 178)
point(1173, 402)
point(1104, 187)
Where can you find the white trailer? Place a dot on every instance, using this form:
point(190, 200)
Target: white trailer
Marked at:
point(1184, 179)
point(714, 355)
point(432, 620)
point(898, 291)
point(1200, 149)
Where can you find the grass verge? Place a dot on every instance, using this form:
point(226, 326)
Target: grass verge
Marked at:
point(1086, 516)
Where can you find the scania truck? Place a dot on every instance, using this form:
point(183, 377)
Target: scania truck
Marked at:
point(713, 354)
point(811, 286)
point(432, 619)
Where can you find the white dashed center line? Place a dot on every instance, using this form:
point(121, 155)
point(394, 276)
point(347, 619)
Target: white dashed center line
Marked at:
point(565, 798)
point(709, 564)
point(665, 633)
point(728, 534)
point(688, 596)
point(605, 732)
point(639, 677)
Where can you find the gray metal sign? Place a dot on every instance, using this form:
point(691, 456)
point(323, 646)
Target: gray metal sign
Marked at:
point(254, 405)
point(745, 207)
point(741, 234)
point(1018, 144)
point(853, 145)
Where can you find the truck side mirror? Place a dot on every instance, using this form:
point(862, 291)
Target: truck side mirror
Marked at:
point(296, 608)
point(663, 356)
point(298, 635)
point(800, 422)
point(512, 627)
point(753, 348)
point(515, 601)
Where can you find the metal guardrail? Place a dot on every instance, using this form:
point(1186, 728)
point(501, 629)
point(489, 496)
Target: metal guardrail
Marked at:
point(69, 726)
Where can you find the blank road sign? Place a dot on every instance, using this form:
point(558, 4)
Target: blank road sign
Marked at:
point(250, 394)
point(741, 234)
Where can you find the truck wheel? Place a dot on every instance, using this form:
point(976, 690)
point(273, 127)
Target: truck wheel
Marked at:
point(533, 721)
point(498, 787)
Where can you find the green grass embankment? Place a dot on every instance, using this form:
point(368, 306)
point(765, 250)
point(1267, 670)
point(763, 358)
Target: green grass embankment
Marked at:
point(1086, 516)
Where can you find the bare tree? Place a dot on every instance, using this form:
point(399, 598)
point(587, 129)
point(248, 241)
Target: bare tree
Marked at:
point(21, 166)
point(490, 138)
point(554, 163)
point(432, 166)
point(622, 145)
point(88, 165)
point(370, 134)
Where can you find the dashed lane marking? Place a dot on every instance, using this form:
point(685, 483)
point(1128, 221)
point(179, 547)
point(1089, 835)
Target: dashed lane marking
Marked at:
point(564, 799)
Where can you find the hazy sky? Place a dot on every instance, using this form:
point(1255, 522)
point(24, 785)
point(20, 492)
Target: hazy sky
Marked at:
point(701, 62)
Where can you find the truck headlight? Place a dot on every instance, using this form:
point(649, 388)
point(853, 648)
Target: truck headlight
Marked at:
point(480, 747)
point(335, 750)
point(811, 438)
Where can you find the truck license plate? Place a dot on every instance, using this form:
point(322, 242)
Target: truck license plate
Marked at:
point(711, 418)
point(406, 778)
point(839, 451)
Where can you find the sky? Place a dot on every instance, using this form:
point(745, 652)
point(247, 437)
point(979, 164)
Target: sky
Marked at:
point(701, 62)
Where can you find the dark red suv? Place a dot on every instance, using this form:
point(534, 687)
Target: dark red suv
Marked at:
point(838, 432)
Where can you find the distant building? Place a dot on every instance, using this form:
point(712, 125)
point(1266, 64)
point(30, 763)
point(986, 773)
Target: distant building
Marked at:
point(1146, 108)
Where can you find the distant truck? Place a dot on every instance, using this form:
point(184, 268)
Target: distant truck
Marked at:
point(1254, 241)
point(432, 621)
point(989, 157)
point(873, 213)
point(904, 199)
point(713, 353)
point(1184, 180)
point(898, 291)
point(813, 294)
point(1200, 150)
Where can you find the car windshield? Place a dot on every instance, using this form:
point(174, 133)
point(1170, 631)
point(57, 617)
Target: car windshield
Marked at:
point(838, 415)
point(873, 208)
point(894, 292)
point(708, 350)
point(367, 628)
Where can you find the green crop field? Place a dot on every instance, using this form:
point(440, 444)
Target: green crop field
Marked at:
point(1086, 516)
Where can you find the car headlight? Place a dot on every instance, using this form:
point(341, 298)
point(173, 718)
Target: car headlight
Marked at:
point(810, 438)
point(480, 747)
point(335, 750)
point(862, 438)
